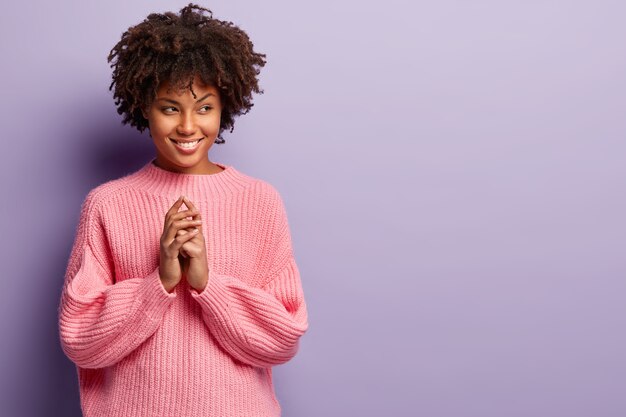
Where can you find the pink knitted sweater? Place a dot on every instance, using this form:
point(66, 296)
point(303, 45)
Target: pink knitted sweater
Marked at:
point(143, 352)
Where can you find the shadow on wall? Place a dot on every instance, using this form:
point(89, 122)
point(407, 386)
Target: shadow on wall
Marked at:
point(109, 150)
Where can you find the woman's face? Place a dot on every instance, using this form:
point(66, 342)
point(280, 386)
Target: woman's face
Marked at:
point(183, 128)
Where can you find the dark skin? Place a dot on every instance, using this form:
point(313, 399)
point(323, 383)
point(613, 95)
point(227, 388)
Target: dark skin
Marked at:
point(180, 47)
point(182, 248)
point(178, 115)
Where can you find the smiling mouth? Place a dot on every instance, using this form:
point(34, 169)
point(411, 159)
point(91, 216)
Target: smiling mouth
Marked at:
point(186, 143)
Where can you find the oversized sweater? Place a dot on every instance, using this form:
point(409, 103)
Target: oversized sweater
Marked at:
point(143, 352)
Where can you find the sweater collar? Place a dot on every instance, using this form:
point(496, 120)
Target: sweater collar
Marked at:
point(158, 181)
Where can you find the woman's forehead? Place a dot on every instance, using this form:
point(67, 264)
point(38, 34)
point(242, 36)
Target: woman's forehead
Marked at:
point(182, 86)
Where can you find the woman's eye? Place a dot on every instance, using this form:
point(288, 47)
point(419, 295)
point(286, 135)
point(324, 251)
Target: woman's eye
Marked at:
point(170, 110)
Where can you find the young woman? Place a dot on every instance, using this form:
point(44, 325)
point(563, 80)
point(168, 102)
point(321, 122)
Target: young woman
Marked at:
point(181, 290)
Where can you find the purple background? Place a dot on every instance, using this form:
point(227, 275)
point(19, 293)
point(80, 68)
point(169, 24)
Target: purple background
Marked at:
point(453, 172)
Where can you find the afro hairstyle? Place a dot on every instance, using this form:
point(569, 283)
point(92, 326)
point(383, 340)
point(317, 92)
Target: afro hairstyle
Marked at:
point(176, 48)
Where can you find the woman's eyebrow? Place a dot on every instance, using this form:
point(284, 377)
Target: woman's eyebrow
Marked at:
point(176, 102)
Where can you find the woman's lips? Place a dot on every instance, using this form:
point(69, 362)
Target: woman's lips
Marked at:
point(187, 149)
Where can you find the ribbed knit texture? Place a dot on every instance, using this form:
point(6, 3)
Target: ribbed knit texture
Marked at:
point(143, 352)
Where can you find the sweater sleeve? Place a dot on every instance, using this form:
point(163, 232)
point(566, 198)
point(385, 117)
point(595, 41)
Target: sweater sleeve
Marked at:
point(100, 320)
point(259, 326)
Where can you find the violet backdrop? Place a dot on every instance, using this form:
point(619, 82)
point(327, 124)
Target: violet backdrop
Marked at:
point(453, 172)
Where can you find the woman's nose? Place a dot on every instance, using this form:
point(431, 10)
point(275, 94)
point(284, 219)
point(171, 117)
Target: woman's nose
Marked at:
point(187, 125)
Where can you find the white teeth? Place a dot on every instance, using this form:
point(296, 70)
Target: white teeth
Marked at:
point(188, 145)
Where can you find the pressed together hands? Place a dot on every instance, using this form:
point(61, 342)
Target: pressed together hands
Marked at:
point(182, 248)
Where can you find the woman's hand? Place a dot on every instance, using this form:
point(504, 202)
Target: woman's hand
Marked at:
point(193, 251)
point(170, 259)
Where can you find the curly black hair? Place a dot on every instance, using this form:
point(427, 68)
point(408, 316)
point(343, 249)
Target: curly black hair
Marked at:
point(175, 48)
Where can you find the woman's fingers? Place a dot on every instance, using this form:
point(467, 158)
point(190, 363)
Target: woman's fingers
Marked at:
point(174, 215)
point(178, 228)
point(183, 214)
point(175, 206)
point(181, 238)
point(188, 203)
point(173, 212)
point(170, 218)
point(172, 259)
point(178, 225)
point(182, 250)
point(193, 208)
